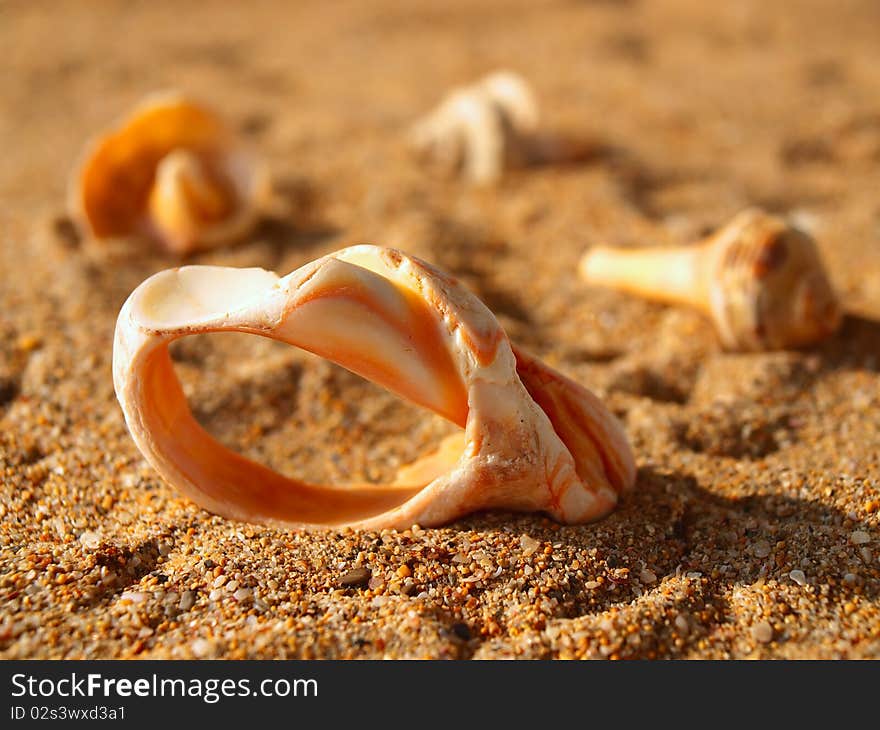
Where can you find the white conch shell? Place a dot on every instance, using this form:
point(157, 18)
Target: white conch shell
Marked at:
point(171, 170)
point(533, 440)
point(760, 279)
point(481, 128)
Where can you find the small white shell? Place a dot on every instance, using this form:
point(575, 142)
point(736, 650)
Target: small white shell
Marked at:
point(480, 128)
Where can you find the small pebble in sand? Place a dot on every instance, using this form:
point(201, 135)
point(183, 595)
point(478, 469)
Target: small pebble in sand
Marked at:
point(762, 632)
point(187, 599)
point(647, 576)
point(355, 578)
point(682, 624)
point(761, 549)
point(860, 537)
point(90, 540)
point(201, 648)
point(529, 545)
point(798, 577)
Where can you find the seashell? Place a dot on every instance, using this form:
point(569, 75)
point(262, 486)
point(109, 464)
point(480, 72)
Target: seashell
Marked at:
point(173, 171)
point(760, 279)
point(532, 439)
point(482, 128)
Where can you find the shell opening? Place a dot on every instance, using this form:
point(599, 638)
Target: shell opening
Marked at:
point(251, 491)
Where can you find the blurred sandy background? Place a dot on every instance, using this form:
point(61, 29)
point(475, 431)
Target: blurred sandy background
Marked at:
point(753, 530)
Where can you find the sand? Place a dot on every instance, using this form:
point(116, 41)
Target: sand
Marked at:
point(753, 530)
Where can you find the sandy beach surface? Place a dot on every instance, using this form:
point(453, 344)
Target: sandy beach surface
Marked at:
point(754, 529)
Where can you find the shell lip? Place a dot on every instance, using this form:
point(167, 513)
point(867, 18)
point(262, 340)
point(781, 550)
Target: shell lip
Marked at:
point(192, 297)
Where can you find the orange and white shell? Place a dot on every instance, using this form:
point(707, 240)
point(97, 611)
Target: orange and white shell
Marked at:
point(173, 171)
point(760, 279)
point(532, 439)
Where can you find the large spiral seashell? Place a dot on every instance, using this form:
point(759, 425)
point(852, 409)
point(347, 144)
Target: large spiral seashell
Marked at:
point(760, 279)
point(531, 439)
point(173, 171)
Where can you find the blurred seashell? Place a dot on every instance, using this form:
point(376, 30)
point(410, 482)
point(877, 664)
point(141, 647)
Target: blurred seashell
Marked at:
point(760, 279)
point(173, 171)
point(513, 95)
point(532, 439)
point(480, 129)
